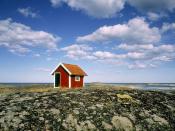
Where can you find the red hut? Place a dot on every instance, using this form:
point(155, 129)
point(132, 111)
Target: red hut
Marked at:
point(68, 75)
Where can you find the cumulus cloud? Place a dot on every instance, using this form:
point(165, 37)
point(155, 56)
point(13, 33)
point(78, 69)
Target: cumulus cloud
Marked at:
point(77, 51)
point(149, 51)
point(109, 8)
point(153, 16)
point(153, 5)
point(130, 32)
point(95, 8)
point(27, 12)
point(82, 51)
point(134, 47)
point(19, 38)
point(108, 55)
point(141, 65)
point(167, 27)
point(134, 56)
point(55, 3)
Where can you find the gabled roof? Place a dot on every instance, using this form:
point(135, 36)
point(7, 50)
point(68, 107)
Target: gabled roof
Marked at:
point(71, 69)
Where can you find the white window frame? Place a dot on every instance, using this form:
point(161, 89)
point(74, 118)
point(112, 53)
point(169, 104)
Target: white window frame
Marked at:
point(77, 78)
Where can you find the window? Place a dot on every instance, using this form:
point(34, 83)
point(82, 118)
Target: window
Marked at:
point(77, 78)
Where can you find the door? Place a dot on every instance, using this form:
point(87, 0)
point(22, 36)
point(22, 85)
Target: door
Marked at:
point(57, 80)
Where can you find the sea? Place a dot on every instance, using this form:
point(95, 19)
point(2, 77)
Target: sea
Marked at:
point(143, 86)
point(147, 86)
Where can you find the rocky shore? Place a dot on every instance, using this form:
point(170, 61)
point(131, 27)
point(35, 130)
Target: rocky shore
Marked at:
point(88, 109)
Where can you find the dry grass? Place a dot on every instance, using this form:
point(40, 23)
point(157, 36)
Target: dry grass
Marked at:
point(7, 90)
point(101, 86)
point(49, 88)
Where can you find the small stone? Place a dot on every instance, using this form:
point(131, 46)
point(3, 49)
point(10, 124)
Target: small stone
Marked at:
point(160, 120)
point(90, 125)
point(99, 105)
point(122, 123)
point(21, 125)
point(41, 118)
point(2, 120)
point(55, 111)
point(76, 112)
point(106, 126)
point(94, 112)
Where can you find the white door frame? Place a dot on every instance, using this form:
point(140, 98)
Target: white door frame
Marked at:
point(54, 79)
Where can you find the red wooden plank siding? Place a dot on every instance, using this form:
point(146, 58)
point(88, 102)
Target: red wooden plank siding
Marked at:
point(75, 84)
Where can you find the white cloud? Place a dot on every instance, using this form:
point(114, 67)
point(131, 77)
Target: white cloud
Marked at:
point(153, 5)
point(77, 51)
point(147, 47)
point(109, 8)
point(18, 49)
point(130, 32)
point(82, 51)
point(104, 55)
point(141, 65)
point(108, 55)
point(137, 56)
point(27, 12)
point(164, 52)
point(85, 52)
point(95, 8)
point(19, 38)
point(167, 27)
point(156, 16)
point(134, 47)
point(153, 16)
point(55, 3)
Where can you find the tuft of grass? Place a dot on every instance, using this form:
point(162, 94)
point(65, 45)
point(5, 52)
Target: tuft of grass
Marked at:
point(32, 88)
point(49, 87)
point(106, 87)
point(124, 96)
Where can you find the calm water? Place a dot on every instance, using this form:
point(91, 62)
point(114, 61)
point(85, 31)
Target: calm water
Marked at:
point(148, 86)
point(145, 86)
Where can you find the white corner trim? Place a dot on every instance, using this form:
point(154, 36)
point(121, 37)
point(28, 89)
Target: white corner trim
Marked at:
point(54, 80)
point(66, 69)
point(69, 81)
point(61, 64)
point(53, 71)
point(83, 84)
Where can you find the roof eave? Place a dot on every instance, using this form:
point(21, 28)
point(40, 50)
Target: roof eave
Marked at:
point(60, 64)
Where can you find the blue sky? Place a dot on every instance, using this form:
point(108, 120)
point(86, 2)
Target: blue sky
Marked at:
point(112, 40)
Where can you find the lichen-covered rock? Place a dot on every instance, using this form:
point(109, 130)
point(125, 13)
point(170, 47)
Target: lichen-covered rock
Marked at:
point(122, 123)
point(106, 126)
point(88, 109)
